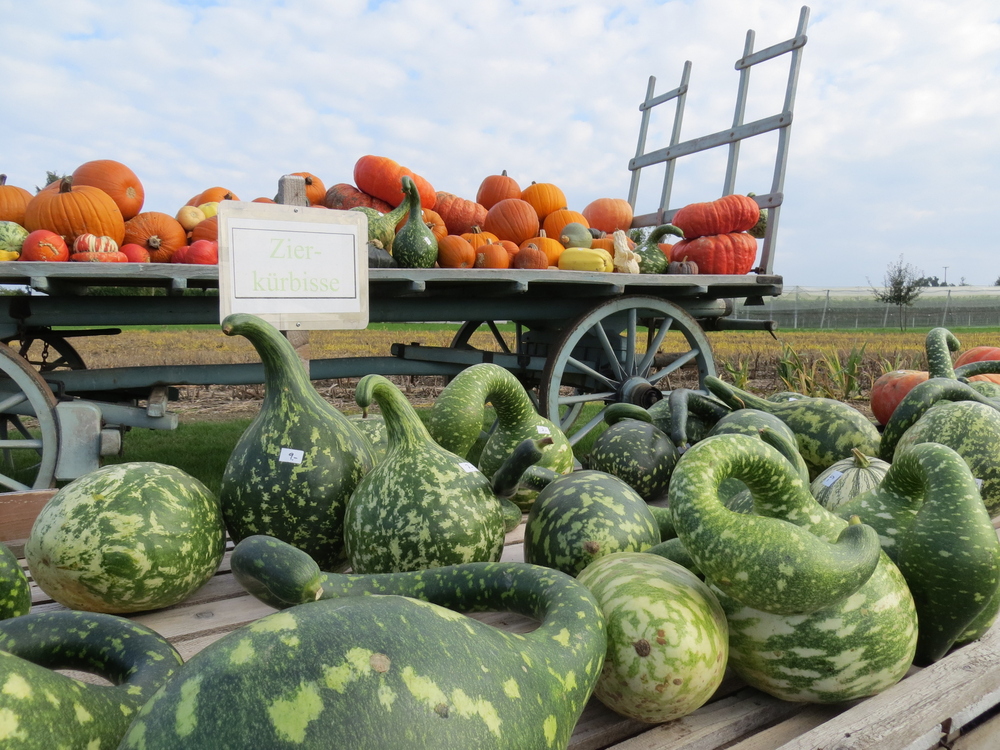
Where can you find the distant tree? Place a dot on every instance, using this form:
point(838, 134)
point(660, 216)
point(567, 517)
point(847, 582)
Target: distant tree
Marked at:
point(997, 282)
point(930, 281)
point(900, 287)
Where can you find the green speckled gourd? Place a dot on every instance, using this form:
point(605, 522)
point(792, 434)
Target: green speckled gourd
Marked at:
point(952, 413)
point(848, 478)
point(939, 345)
point(415, 246)
point(635, 451)
point(15, 592)
point(127, 537)
point(734, 493)
point(856, 627)
point(932, 523)
point(689, 411)
point(382, 227)
point(826, 430)
point(667, 636)
point(651, 258)
point(369, 667)
point(42, 709)
point(373, 427)
point(422, 506)
point(696, 426)
point(294, 468)
point(455, 421)
point(585, 515)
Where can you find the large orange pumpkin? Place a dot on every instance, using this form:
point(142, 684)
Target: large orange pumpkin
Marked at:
point(890, 388)
point(731, 253)
point(545, 197)
point(206, 230)
point(460, 214)
point(455, 252)
point(609, 214)
point(72, 210)
point(13, 201)
point(343, 196)
point(161, 234)
point(382, 177)
point(731, 213)
point(512, 219)
point(115, 179)
point(978, 354)
point(556, 221)
point(495, 188)
point(315, 189)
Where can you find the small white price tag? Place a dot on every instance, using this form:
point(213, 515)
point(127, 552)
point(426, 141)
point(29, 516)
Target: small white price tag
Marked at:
point(543, 430)
point(466, 466)
point(834, 476)
point(291, 456)
point(979, 483)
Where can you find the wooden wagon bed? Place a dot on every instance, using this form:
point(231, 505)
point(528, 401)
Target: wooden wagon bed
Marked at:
point(949, 704)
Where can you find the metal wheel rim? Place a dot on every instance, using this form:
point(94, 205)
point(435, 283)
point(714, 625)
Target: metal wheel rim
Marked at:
point(29, 392)
point(625, 313)
point(67, 357)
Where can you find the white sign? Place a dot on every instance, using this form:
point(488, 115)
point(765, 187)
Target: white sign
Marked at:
point(291, 456)
point(297, 267)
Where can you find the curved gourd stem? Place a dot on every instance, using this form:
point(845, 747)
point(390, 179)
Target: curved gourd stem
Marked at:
point(983, 367)
point(615, 413)
point(403, 425)
point(933, 524)
point(684, 402)
point(938, 345)
point(507, 478)
point(918, 402)
point(796, 560)
point(788, 449)
point(734, 397)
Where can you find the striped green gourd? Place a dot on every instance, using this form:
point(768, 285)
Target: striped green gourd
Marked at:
point(42, 709)
point(635, 451)
point(389, 671)
point(15, 592)
point(667, 636)
point(414, 246)
point(951, 413)
point(939, 345)
point(455, 421)
point(848, 478)
point(932, 523)
point(816, 611)
point(585, 515)
point(126, 538)
point(382, 227)
point(825, 429)
point(422, 506)
point(294, 468)
point(372, 426)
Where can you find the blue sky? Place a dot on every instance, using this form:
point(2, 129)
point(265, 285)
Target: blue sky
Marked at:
point(893, 149)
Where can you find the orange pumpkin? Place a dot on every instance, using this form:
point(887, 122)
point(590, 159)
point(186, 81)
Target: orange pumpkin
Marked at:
point(213, 195)
point(530, 256)
point(492, 255)
point(382, 177)
point(495, 188)
point(13, 201)
point(263, 199)
point(477, 237)
point(511, 248)
point(731, 213)
point(455, 252)
point(557, 220)
point(512, 219)
point(459, 214)
point(44, 245)
point(732, 253)
point(344, 196)
point(115, 179)
point(206, 230)
point(978, 354)
point(135, 253)
point(161, 234)
point(315, 189)
point(609, 214)
point(73, 210)
point(552, 248)
point(545, 197)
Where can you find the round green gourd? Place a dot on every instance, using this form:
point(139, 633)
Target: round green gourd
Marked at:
point(846, 479)
point(15, 591)
point(667, 636)
point(384, 671)
point(296, 465)
point(637, 452)
point(575, 234)
point(415, 245)
point(42, 709)
point(651, 258)
point(585, 515)
point(12, 236)
point(126, 538)
point(421, 506)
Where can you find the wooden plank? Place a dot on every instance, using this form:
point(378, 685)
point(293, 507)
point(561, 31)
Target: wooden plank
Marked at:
point(773, 737)
point(984, 737)
point(905, 713)
point(715, 724)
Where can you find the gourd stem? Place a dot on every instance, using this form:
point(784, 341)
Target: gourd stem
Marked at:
point(735, 397)
point(938, 345)
point(403, 425)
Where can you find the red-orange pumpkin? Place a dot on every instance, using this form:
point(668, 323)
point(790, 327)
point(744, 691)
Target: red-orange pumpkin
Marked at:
point(203, 252)
point(160, 233)
point(609, 214)
point(91, 243)
point(315, 189)
point(214, 195)
point(206, 230)
point(530, 256)
point(978, 354)
point(459, 214)
point(512, 219)
point(732, 253)
point(496, 188)
point(455, 251)
point(72, 210)
point(115, 179)
point(135, 253)
point(890, 388)
point(545, 197)
point(13, 201)
point(343, 196)
point(731, 213)
point(115, 257)
point(44, 245)
point(382, 177)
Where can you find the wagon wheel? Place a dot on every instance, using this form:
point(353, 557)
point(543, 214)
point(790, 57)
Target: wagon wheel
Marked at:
point(29, 460)
point(45, 350)
point(619, 352)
